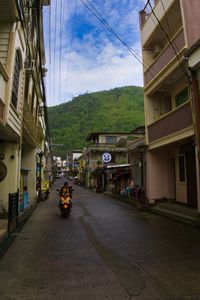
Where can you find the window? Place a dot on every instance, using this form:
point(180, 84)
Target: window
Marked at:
point(181, 97)
point(32, 99)
point(181, 163)
point(37, 111)
point(2, 105)
point(111, 139)
point(26, 92)
point(16, 76)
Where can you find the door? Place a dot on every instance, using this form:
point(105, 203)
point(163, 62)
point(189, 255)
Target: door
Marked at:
point(191, 179)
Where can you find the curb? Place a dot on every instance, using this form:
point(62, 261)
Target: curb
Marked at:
point(3, 236)
point(175, 216)
point(142, 206)
point(27, 213)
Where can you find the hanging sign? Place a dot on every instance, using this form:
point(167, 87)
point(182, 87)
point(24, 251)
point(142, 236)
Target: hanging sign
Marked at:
point(106, 157)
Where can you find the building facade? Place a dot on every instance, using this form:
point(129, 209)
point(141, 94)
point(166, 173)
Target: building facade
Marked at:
point(106, 158)
point(168, 29)
point(24, 141)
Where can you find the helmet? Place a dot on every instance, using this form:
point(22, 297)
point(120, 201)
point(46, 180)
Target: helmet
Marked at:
point(66, 183)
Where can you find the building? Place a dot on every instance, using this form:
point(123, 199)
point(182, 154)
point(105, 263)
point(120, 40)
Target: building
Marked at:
point(72, 161)
point(137, 161)
point(168, 29)
point(193, 58)
point(24, 139)
point(106, 159)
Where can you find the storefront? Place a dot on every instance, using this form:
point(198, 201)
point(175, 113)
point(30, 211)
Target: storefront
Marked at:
point(23, 199)
point(117, 177)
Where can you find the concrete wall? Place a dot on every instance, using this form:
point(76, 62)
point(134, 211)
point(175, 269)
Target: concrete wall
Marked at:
point(11, 182)
point(29, 163)
point(191, 20)
point(160, 174)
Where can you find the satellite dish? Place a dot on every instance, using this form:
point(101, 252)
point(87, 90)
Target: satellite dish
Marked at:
point(3, 171)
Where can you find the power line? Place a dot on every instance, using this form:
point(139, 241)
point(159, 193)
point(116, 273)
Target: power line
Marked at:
point(160, 31)
point(55, 31)
point(102, 20)
point(71, 42)
point(168, 23)
point(50, 33)
point(62, 26)
point(168, 38)
point(146, 65)
point(61, 12)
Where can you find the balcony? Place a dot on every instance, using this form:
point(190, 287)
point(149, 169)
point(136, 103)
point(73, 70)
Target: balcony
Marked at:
point(148, 21)
point(103, 147)
point(174, 121)
point(165, 57)
point(3, 81)
point(8, 11)
point(32, 130)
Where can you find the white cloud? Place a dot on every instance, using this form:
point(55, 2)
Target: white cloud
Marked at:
point(110, 69)
point(98, 61)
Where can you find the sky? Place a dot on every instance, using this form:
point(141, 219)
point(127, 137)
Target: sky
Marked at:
point(82, 55)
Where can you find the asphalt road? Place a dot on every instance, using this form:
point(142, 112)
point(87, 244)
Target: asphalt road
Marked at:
point(104, 250)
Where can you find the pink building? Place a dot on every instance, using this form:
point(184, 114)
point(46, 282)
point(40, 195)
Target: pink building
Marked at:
point(169, 28)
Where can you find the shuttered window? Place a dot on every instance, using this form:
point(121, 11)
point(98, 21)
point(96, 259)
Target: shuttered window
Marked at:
point(15, 87)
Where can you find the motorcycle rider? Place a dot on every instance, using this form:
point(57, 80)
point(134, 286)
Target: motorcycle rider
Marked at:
point(65, 191)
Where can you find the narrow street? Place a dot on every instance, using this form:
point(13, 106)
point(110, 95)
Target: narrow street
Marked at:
point(104, 250)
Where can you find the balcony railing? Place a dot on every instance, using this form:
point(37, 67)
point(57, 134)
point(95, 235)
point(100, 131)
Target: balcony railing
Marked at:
point(105, 147)
point(3, 80)
point(8, 11)
point(166, 56)
point(172, 122)
point(33, 129)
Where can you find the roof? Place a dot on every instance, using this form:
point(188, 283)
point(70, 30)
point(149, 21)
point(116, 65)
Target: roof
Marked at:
point(94, 135)
point(117, 166)
point(137, 144)
point(139, 130)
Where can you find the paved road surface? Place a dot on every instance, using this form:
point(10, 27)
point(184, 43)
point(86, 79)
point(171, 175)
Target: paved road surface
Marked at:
point(105, 250)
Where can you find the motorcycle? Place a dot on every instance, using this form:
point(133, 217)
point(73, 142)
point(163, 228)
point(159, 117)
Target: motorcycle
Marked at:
point(65, 205)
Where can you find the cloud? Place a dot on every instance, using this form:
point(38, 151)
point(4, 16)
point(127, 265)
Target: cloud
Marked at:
point(93, 60)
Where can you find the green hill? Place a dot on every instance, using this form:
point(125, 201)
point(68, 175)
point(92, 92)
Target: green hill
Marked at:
point(119, 109)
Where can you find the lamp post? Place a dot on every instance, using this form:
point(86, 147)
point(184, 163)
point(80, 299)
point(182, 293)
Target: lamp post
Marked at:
point(40, 196)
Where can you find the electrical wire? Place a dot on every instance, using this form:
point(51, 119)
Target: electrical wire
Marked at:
point(54, 67)
point(60, 51)
point(169, 29)
point(63, 7)
point(169, 40)
point(71, 42)
point(145, 65)
point(102, 20)
point(160, 31)
point(50, 33)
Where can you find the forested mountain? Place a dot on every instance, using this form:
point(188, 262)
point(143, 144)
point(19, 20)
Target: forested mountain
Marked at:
point(119, 109)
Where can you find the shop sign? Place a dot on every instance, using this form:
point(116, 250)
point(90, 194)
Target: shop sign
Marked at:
point(106, 157)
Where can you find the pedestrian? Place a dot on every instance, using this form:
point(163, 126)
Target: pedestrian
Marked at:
point(132, 185)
